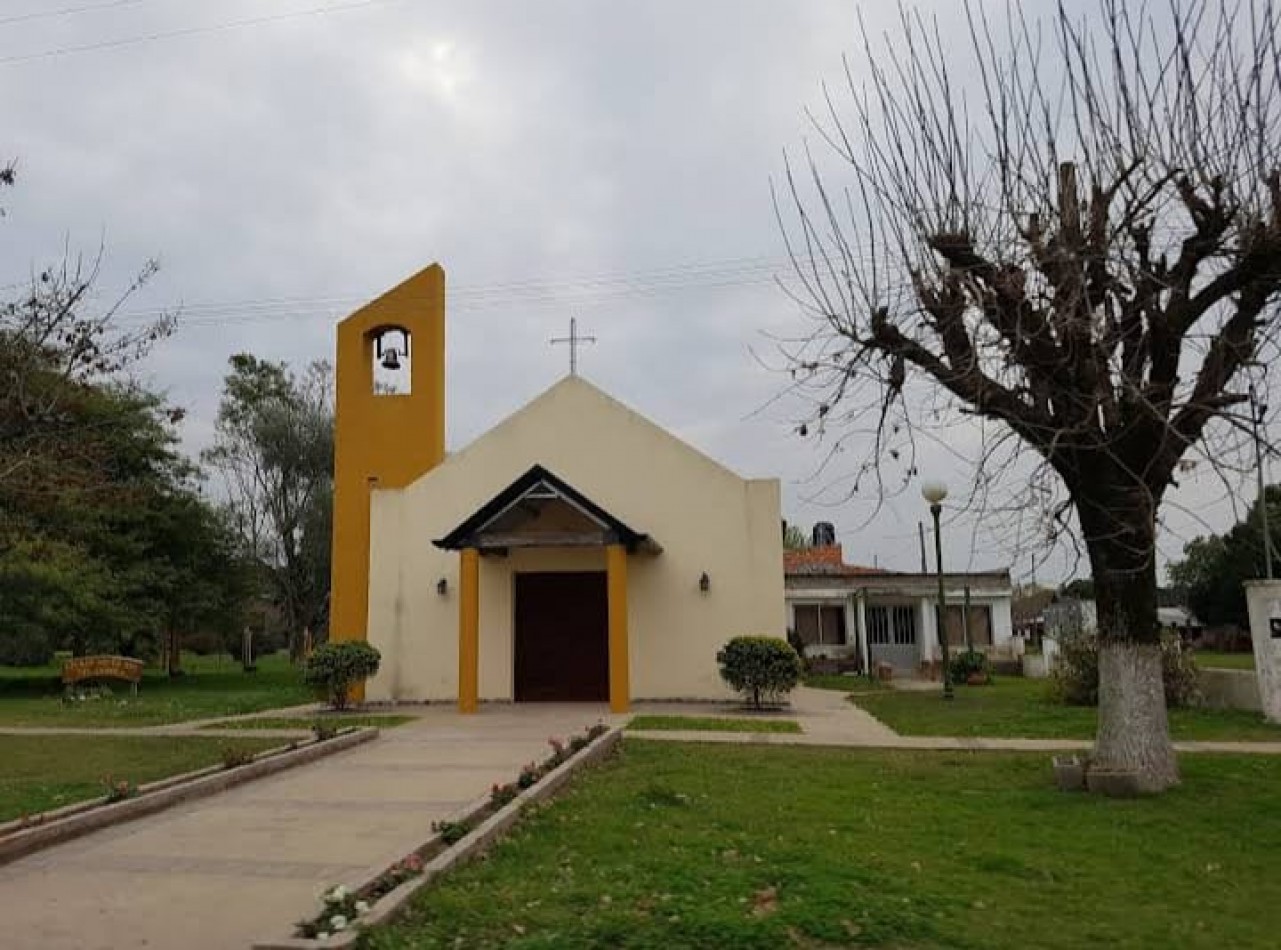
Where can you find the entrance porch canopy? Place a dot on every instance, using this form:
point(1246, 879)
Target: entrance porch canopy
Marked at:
point(541, 510)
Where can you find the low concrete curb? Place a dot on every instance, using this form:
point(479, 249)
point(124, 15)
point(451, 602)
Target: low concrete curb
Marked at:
point(942, 743)
point(19, 838)
point(475, 843)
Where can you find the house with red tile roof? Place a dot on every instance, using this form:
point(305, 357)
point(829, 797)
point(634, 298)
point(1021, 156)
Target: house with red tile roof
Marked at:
point(865, 616)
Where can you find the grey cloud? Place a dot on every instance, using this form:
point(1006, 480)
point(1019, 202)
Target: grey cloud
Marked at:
point(333, 156)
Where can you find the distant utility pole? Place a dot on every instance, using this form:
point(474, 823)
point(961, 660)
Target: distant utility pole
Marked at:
point(925, 566)
point(1257, 413)
point(574, 341)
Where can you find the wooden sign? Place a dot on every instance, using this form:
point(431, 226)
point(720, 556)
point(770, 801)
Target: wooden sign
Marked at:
point(102, 668)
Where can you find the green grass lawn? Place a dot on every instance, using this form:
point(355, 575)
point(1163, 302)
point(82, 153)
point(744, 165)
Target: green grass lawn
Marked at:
point(848, 684)
point(211, 687)
point(1013, 707)
point(306, 722)
point(44, 772)
point(713, 724)
point(1224, 661)
point(678, 845)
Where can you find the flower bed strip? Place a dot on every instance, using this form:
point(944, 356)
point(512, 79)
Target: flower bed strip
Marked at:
point(473, 844)
point(21, 837)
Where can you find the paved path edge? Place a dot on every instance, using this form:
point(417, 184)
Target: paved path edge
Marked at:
point(940, 743)
point(85, 817)
point(476, 842)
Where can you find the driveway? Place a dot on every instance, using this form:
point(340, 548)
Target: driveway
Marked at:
point(217, 874)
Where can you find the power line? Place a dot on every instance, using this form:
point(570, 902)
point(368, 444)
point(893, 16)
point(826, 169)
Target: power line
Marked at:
point(526, 292)
point(68, 11)
point(189, 31)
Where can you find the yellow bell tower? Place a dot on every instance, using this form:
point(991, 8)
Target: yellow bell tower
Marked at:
point(382, 440)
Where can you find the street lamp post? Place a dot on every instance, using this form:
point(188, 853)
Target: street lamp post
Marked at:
point(1258, 413)
point(934, 493)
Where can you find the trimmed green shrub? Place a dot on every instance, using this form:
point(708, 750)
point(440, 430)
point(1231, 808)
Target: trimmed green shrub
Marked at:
point(969, 663)
point(763, 669)
point(334, 668)
point(1074, 681)
point(797, 644)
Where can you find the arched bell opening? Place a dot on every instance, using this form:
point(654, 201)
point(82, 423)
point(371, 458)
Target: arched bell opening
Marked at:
point(392, 357)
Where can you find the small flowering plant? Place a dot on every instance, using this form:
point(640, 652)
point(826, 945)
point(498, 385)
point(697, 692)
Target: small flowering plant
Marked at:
point(500, 795)
point(343, 908)
point(451, 831)
point(117, 789)
point(529, 775)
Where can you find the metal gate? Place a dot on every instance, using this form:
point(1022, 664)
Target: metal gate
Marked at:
point(891, 636)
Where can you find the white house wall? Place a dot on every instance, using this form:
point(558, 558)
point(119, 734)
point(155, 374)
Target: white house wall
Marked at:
point(883, 594)
point(706, 518)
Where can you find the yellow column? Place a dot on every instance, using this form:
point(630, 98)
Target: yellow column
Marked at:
point(619, 678)
point(468, 630)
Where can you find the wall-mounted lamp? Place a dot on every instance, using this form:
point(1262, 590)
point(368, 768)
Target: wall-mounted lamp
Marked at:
point(442, 587)
point(704, 583)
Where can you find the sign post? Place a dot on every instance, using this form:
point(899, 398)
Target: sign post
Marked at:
point(103, 668)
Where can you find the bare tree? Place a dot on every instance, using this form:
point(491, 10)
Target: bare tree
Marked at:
point(1087, 265)
point(55, 339)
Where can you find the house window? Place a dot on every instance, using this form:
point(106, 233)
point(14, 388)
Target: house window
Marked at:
point(904, 625)
point(820, 624)
point(807, 624)
point(980, 625)
point(894, 625)
point(878, 626)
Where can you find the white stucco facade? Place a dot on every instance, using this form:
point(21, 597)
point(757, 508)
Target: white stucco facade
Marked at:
point(858, 596)
point(706, 519)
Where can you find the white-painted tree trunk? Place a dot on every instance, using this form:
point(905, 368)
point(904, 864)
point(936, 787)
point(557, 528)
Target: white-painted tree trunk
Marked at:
point(1134, 730)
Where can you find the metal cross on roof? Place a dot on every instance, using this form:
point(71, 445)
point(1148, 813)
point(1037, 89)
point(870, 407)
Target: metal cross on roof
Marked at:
point(574, 341)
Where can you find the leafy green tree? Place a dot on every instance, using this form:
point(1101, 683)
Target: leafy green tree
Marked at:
point(105, 542)
point(51, 593)
point(116, 550)
point(794, 538)
point(274, 449)
point(1214, 569)
point(195, 571)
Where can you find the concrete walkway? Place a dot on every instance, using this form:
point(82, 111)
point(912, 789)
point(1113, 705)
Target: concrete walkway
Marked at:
point(827, 718)
point(246, 864)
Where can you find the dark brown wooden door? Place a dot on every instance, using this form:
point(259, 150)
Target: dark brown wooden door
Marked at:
point(562, 637)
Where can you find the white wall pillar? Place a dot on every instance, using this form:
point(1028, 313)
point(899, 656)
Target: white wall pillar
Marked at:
point(927, 639)
point(1263, 599)
point(861, 599)
point(1002, 623)
point(851, 620)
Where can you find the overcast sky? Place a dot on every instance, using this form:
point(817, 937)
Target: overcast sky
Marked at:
point(606, 160)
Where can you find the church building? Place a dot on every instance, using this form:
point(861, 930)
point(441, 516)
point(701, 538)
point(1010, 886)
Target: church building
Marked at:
point(575, 552)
